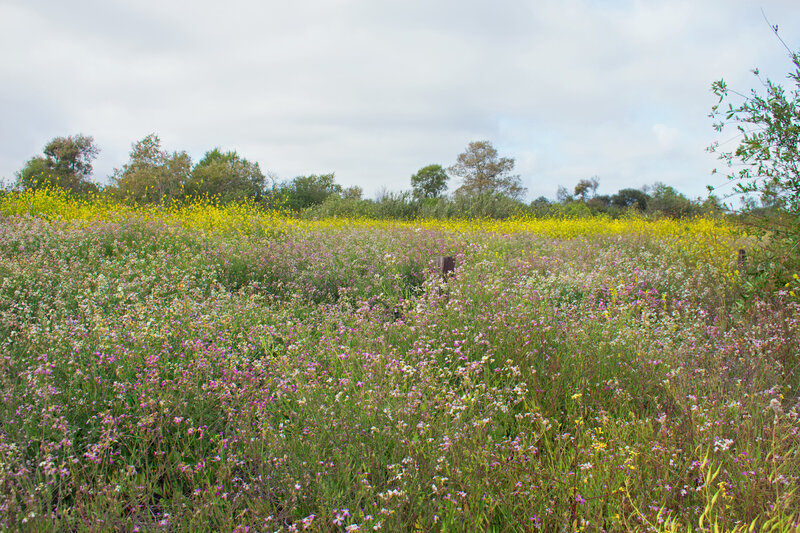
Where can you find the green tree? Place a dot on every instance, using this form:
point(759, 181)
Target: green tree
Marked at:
point(563, 196)
point(599, 202)
point(483, 172)
point(67, 163)
point(767, 159)
point(36, 174)
point(667, 201)
point(584, 186)
point(429, 182)
point(226, 176)
point(306, 191)
point(630, 198)
point(353, 193)
point(152, 175)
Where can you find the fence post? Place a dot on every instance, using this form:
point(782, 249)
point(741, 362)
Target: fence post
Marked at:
point(742, 259)
point(445, 264)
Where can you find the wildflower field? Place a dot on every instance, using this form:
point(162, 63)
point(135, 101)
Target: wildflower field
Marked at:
point(204, 368)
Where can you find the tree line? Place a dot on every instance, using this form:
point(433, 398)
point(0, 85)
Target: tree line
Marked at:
point(151, 175)
point(488, 187)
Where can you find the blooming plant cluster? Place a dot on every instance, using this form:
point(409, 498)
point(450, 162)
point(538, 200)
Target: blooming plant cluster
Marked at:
point(224, 368)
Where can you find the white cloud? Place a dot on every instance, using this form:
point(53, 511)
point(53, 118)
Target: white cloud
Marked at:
point(666, 136)
point(374, 90)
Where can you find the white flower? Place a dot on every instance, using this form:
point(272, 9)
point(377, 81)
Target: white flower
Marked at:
point(722, 444)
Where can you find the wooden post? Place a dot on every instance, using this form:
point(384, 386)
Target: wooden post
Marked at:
point(742, 259)
point(445, 264)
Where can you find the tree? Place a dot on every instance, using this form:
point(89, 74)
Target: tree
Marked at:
point(36, 174)
point(599, 202)
point(152, 175)
point(768, 154)
point(67, 163)
point(306, 191)
point(353, 193)
point(429, 182)
point(584, 186)
point(483, 172)
point(226, 176)
point(667, 201)
point(630, 198)
point(562, 195)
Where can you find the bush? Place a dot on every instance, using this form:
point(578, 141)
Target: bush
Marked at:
point(666, 201)
point(400, 205)
point(336, 206)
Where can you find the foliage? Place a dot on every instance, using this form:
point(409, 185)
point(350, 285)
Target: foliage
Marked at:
point(630, 198)
point(336, 206)
point(429, 182)
point(152, 175)
point(665, 200)
point(483, 172)
point(562, 195)
point(584, 186)
point(36, 174)
point(67, 164)
point(395, 205)
point(306, 191)
point(483, 206)
point(599, 203)
point(768, 154)
point(226, 176)
point(354, 192)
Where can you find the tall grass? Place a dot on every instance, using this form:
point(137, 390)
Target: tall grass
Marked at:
point(225, 368)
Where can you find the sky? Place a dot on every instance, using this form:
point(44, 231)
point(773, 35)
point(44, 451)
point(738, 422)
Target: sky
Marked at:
point(374, 90)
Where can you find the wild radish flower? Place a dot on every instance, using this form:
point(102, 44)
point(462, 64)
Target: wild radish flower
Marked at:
point(307, 521)
point(722, 444)
point(775, 405)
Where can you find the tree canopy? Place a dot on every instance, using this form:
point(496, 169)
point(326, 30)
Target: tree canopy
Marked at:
point(67, 164)
point(483, 172)
point(429, 182)
point(152, 175)
point(630, 198)
point(226, 176)
point(305, 191)
point(584, 186)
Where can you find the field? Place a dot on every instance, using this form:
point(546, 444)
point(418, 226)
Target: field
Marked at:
point(224, 368)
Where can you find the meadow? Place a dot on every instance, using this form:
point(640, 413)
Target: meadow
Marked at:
point(225, 368)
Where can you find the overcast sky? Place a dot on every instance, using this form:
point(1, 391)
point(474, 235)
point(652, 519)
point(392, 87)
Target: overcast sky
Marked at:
point(373, 90)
